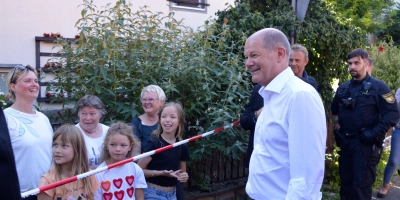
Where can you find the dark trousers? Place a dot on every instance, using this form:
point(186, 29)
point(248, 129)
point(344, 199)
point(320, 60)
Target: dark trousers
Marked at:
point(357, 169)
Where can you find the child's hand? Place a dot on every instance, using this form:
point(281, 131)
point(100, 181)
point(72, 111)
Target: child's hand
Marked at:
point(170, 173)
point(183, 176)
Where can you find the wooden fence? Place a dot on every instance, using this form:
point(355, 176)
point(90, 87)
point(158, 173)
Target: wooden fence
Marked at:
point(218, 168)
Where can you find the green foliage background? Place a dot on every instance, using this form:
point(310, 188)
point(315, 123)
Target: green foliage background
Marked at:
point(120, 51)
point(369, 15)
point(386, 63)
point(327, 39)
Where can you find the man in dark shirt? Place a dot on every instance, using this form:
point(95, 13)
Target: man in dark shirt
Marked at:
point(363, 110)
point(298, 61)
point(249, 118)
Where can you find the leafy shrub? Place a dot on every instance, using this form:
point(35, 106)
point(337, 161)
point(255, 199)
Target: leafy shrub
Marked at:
point(386, 58)
point(5, 101)
point(118, 52)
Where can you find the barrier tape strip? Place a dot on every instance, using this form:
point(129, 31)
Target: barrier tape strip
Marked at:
point(90, 173)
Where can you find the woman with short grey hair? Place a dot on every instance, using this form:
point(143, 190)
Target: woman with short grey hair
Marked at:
point(152, 98)
point(91, 111)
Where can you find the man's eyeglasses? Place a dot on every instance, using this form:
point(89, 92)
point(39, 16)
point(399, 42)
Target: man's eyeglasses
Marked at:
point(20, 68)
point(148, 100)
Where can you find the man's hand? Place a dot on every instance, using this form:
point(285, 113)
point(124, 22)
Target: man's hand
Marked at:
point(335, 122)
point(368, 135)
point(259, 112)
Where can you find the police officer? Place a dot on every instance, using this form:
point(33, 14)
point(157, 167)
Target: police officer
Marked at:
point(365, 109)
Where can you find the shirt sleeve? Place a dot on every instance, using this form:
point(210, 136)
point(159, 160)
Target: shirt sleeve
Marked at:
point(398, 95)
point(306, 137)
point(44, 181)
point(135, 127)
point(335, 103)
point(149, 147)
point(185, 155)
point(247, 120)
point(388, 110)
point(140, 181)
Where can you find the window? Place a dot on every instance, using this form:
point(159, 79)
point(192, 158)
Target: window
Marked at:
point(196, 5)
point(3, 83)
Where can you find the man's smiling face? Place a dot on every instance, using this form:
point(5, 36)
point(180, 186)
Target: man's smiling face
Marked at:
point(259, 61)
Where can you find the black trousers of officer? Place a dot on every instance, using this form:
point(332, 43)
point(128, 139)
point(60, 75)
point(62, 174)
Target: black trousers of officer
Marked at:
point(357, 169)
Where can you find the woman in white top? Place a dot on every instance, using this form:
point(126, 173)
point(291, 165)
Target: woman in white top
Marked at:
point(30, 130)
point(90, 111)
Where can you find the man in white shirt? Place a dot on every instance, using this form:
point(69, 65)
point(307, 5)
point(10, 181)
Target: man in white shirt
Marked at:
point(290, 134)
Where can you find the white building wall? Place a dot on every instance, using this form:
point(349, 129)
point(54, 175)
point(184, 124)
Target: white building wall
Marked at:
point(22, 20)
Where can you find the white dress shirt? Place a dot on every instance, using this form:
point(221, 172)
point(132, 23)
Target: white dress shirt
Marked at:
point(288, 159)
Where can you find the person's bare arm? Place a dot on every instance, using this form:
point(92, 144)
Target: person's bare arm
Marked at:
point(151, 173)
point(44, 196)
point(183, 176)
point(139, 193)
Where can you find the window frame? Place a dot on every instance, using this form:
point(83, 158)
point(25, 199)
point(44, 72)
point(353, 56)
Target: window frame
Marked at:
point(173, 4)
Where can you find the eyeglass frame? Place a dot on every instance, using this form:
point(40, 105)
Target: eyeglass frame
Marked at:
point(21, 68)
point(148, 100)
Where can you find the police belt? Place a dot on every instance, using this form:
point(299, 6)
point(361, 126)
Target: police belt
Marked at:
point(351, 134)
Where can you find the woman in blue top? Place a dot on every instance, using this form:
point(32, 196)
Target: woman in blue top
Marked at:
point(152, 98)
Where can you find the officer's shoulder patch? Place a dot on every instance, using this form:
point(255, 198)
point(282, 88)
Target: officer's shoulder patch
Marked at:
point(389, 97)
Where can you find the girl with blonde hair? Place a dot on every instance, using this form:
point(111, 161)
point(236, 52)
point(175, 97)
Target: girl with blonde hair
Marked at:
point(69, 159)
point(167, 168)
point(126, 181)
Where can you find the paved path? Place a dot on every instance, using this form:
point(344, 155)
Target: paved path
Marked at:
point(394, 191)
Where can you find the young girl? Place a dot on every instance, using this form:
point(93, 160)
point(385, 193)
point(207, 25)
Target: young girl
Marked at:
point(126, 181)
point(164, 169)
point(69, 159)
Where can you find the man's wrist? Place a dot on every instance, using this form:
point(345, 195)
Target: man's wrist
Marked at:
point(255, 115)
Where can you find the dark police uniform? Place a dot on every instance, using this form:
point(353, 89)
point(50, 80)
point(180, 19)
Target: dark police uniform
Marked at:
point(366, 110)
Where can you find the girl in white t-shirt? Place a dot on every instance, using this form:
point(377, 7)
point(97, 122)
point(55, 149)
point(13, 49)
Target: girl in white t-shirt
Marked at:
point(126, 181)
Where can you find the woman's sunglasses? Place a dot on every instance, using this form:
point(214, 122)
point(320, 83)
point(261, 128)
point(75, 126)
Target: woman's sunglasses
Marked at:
point(20, 68)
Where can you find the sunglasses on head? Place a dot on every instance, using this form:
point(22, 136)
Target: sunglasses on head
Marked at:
point(20, 68)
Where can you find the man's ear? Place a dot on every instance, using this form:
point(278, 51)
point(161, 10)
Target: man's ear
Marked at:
point(282, 56)
point(306, 61)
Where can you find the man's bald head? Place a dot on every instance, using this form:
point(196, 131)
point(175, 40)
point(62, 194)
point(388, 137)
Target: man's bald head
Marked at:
point(267, 54)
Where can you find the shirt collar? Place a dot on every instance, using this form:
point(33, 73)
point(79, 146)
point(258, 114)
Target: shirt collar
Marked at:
point(277, 84)
point(366, 78)
point(305, 75)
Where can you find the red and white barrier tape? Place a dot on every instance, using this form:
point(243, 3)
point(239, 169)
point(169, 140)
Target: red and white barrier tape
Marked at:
point(90, 173)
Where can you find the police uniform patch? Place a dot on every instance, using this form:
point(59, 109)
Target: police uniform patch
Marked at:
point(389, 97)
